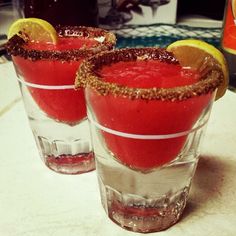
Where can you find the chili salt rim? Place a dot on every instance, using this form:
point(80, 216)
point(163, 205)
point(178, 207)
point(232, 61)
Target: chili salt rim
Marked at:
point(15, 45)
point(87, 76)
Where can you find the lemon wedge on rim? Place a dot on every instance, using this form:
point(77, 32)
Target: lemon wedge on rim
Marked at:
point(33, 29)
point(193, 52)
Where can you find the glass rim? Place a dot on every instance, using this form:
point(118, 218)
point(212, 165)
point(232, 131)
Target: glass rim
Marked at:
point(87, 76)
point(15, 45)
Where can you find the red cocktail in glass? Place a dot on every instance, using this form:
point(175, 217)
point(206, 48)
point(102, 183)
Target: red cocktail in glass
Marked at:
point(46, 73)
point(147, 115)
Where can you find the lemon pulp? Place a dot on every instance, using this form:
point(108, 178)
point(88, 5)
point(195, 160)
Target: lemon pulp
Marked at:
point(193, 53)
point(33, 29)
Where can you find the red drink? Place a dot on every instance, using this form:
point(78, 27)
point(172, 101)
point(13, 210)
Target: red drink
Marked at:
point(64, 105)
point(56, 111)
point(147, 117)
point(56, 65)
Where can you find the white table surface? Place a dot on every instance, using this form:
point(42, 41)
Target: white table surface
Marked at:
point(35, 201)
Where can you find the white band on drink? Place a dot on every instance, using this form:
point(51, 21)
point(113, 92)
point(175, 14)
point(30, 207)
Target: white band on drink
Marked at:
point(48, 87)
point(141, 136)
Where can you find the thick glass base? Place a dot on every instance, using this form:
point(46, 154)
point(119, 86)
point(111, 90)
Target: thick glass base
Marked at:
point(66, 156)
point(144, 215)
point(71, 164)
point(145, 201)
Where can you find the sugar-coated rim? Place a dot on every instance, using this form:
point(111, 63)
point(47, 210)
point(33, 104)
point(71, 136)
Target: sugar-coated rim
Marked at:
point(15, 45)
point(87, 76)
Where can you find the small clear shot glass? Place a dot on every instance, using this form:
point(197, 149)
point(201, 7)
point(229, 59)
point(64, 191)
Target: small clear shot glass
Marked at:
point(56, 111)
point(146, 140)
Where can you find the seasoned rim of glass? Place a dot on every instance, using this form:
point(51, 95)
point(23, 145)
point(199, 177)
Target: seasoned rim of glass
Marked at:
point(15, 45)
point(88, 76)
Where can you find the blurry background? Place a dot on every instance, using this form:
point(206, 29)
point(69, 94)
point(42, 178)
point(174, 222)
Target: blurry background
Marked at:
point(185, 9)
point(120, 14)
point(213, 9)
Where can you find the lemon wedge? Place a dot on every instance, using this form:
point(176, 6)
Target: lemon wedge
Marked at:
point(33, 29)
point(193, 53)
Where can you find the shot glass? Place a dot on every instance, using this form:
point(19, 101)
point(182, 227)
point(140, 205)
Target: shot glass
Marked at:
point(145, 135)
point(56, 111)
